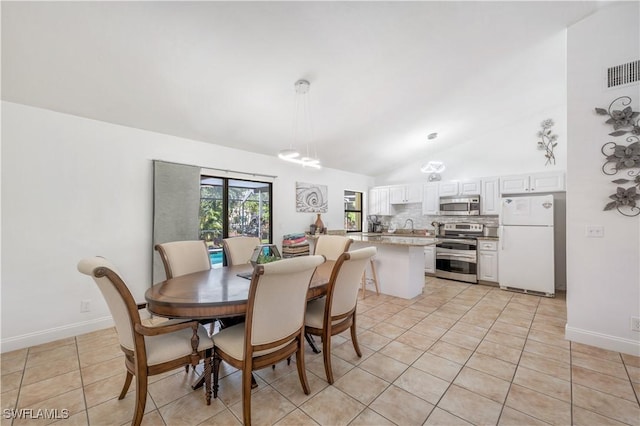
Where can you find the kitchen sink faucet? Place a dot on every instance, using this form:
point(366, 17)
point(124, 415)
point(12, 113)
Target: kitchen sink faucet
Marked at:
point(405, 224)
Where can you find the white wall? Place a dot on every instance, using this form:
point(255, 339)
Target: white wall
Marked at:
point(603, 288)
point(73, 187)
point(530, 87)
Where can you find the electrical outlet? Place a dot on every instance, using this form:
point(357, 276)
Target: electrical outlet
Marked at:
point(85, 305)
point(635, 323)
point(594, 231)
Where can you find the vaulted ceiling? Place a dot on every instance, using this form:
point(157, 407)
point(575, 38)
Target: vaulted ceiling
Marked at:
point(383, 74)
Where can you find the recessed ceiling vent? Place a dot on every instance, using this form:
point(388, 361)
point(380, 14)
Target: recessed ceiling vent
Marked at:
point(623, 74)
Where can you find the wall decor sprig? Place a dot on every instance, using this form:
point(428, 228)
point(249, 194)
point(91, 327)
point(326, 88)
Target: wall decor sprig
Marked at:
point(621, 119)
point(624, 200)
point(547, 141)
point(623, 157)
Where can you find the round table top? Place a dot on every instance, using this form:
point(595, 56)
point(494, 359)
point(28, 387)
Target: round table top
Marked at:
point(216, 293)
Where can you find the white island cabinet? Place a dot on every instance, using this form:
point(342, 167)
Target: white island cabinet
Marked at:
point(400, 262)
point(430, 259)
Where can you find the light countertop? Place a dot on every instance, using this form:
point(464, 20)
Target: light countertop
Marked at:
point(399, 240)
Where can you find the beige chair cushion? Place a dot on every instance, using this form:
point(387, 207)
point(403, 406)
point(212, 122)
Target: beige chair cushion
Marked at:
point(186, 257)
point(349, 279)
point(314, 317)
point(116, 303)
point(159, 348)
point(231, 341)
point(239, 249)
point(345, 289)
point(166, 347)
point(278, 306)
point(280, 298)
point(331, 246)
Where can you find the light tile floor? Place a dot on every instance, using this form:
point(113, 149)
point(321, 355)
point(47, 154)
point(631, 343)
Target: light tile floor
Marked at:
point(458, 354)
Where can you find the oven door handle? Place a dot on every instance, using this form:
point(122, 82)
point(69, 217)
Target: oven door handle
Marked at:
point(451, 255)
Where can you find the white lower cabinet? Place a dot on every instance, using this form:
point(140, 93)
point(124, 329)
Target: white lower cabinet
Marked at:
point(430, 260)
point(488, 260)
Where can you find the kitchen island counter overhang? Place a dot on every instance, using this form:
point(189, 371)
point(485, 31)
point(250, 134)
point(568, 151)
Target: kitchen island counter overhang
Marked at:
point(399, 262)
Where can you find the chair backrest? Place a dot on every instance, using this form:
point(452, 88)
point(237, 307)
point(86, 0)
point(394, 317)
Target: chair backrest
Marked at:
point(332, 246)
point(184, 257)
point(238, 250)
point(346, 278)
point(121, 303)
point(278, 298)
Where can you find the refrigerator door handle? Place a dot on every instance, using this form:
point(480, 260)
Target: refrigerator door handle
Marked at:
point(501, 236)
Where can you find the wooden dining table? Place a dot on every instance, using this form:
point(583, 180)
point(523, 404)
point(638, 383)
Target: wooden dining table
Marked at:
point(216, 293)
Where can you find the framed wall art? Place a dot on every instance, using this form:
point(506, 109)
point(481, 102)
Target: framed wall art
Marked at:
point(311, 198)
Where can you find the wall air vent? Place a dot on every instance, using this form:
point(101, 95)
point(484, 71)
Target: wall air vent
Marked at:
point(623, 74)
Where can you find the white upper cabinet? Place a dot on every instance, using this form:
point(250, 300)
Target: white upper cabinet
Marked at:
point(405, 194)
point(532, 183)
point(447, 189)
point(379, 201)
point(490, 197)
point(430, 199)
point(465, 187)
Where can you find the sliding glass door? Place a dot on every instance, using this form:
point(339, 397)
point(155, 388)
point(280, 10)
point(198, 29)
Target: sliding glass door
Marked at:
point(233, 207)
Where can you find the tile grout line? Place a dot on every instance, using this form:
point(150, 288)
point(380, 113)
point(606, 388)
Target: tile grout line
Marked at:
point(470, 356)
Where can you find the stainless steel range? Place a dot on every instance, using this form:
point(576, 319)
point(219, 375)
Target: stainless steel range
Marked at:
point(456, 252)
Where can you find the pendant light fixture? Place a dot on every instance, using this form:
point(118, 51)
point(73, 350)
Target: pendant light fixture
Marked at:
point(302, 130)
point(433, 168)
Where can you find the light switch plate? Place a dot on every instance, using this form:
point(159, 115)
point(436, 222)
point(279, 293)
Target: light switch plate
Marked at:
point(594, 231)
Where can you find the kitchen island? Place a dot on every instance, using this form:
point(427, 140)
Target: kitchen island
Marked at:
point(399, 262)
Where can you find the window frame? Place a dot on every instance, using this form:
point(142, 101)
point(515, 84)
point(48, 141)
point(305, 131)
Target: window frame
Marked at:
point(347, 210)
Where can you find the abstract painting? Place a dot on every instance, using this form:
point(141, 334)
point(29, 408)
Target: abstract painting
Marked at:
point(311, 198)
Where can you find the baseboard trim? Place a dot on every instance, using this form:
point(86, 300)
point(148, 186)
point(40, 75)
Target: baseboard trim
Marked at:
point(49, 335)
point(605, 341)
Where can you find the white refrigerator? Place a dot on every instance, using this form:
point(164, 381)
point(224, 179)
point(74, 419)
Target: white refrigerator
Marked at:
point(525, 258)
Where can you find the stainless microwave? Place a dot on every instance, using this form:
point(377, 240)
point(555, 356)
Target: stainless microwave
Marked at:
point(460, 206)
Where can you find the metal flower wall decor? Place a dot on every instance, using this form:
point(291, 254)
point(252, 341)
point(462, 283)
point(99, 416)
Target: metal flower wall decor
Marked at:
point(623, 157)
point(547, 141)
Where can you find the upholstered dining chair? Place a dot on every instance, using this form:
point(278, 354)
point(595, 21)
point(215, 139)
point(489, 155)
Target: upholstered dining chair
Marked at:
point(184, 257)
point(332, 246)
point(274, 326)
point(336, 312)
point(148, 350)
point(238, 250)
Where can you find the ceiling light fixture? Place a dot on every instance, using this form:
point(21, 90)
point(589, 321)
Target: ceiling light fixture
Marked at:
point(302, 129)
point(433, 168)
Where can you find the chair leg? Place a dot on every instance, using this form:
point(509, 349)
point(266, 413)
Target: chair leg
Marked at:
point(127, 383)
point(186, 368)
point(302, 372)
point(375, 276)
point(207, 377)
point(326, 348)
point(141, 396)
point(216, 372)
point(354, 338)
point(246, 394)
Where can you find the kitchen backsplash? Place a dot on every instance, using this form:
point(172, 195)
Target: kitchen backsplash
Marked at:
point(420, 221)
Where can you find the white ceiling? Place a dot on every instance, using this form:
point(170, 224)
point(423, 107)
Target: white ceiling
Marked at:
point(381, 73)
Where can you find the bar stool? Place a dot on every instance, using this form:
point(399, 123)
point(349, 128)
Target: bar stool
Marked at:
point(374, 279)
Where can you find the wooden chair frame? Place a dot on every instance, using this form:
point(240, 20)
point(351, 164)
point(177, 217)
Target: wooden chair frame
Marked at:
point(136, 360)
point(333, 325)
point(251, 363)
